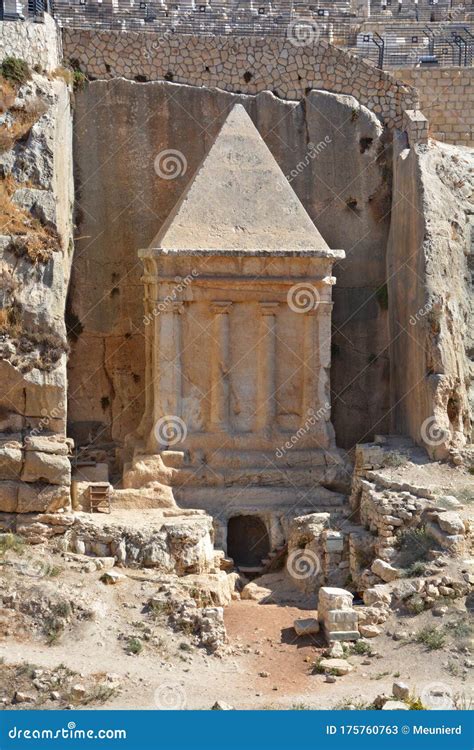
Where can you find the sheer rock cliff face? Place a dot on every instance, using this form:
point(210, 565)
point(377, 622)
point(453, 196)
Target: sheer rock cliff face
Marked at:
point(36, 193)
point(430, 291)
point(332, 151)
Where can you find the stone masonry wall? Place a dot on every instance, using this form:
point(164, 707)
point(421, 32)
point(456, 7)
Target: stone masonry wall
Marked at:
point(37, 43)
point(243, 65)
point(446, 99)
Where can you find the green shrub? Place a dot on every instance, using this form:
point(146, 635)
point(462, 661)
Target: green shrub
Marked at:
point(134, 646)
point(362, 648)
point(413, 546)
point(16, 70)
point(431, 637)
point(11, 543)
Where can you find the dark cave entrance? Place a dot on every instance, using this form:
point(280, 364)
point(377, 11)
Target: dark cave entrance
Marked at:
point(247, 540)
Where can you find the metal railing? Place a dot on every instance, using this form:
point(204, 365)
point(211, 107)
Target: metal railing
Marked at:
point(440, 45)
point(17, 10)
point(446, 42)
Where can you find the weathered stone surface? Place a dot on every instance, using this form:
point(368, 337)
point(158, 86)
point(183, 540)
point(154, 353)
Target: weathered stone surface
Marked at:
point(11, 460)
point(57, 444)
point(8, 497)
point(33, 498)
point(394, 706)
point(222, 706)
point(331, 598)
point(326, 173)
point(306, 626)
point(379, 594)
point(39, 168)
point(369, 631)
point(400, 690)
point(385, 571)
point(181, 545)
point(46, 467)
point(255, 592)
point(336, 666)
point(451, 523)
point(431, 191)
point(112, 577)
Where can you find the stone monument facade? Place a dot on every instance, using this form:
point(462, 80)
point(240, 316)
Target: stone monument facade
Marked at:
point(238, 341)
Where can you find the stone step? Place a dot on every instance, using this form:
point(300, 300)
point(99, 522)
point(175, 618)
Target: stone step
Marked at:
point(302, 500)
point(312, 458)
point(268, 476)
point(250, 569)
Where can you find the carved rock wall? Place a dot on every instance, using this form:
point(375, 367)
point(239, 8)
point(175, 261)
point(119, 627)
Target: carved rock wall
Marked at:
point(332, 151)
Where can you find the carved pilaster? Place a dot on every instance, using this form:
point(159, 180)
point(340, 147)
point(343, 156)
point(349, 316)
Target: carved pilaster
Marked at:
point(168, 366)
point(220, 366)
point(266, 394)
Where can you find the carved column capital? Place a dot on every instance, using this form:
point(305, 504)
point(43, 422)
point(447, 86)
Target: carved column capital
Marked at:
point(219, 307)
point(269, 308)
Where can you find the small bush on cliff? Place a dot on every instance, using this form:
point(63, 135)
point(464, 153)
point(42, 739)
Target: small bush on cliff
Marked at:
point(79, 80)
point(16, 70)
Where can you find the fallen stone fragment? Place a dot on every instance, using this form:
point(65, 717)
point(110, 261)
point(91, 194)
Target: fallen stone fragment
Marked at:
point(395, 706)
point(451, 522)
point(20, 697)
point(336, 651)
point(385, 571)
point(78, 692)
point(336, 666)
point(306, 626)
point(369, 631)
point(111, 577)
point(400, 690)
point(222, 706)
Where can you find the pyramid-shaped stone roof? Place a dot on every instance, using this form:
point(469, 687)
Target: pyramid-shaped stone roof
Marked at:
point(239, 200)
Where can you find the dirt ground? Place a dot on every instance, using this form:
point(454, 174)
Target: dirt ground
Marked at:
point(264, 665)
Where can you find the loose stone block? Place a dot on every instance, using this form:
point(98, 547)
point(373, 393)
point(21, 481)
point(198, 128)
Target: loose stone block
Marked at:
point(306, 626)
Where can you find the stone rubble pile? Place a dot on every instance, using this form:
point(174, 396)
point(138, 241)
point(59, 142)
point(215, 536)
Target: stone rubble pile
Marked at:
point(181, 545)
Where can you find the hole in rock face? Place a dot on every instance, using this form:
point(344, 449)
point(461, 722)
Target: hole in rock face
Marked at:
point(247, 540)
point(453, 409)
point(365, 143)
point(248, 76)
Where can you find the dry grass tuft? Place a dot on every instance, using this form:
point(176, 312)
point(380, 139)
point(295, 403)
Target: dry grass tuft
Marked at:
point(7, 95)
point(29, 237)
point(23, 120)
